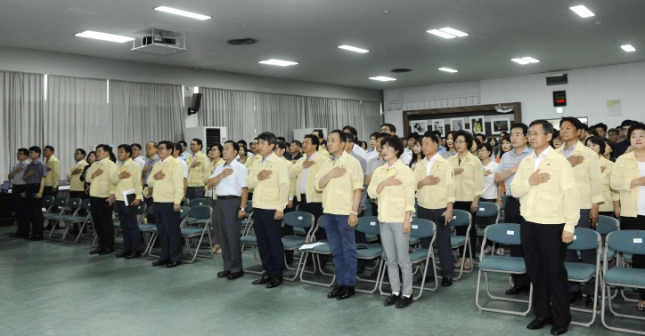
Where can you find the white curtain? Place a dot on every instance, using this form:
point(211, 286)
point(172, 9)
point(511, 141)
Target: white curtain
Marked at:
point(280, 114)
point(337, 113)
point(76, 116)
point(142, 112)
point(234, 110)
point(21, 115)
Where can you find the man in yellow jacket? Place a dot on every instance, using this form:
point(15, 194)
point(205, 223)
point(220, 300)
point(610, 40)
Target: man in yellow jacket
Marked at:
point(197, 170)
point(53, 172)
point(127, 179)
point(102, 198)
point(167, 183)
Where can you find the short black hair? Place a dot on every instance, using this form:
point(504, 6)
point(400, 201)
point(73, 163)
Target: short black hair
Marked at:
point(324, 142)
point(374, 134)
point(486, 145)
point(281, 145)
point(297, 143)
point(467, 136)
point(391, 127)
point(177, 148)
point(413, 135)
point(573, 121)
point(183, 143)
point(613, 130)
point(24, 151)
point(628, 123)
point(219, 147)
point(268, 137)
point(314, 140)
point(482, 135)
point(382, 135)
point(281, 139)
point(635, 126)
point(168, 144)
point(105, 147)
point(136, 145)
point(351, 130)
point(546, 126)
point(126, 148)
point(90, 153)
point(454, 135)
point(341, 135)
point(597, 140)
point(241, 142)
point(198, 141)
point(476, 142)
point(430, 135)
point(322, 134)
point(350, 138)
point(82, 151)
point(601, 125)
point(394, 142)
point(525, 129)
point(50, 148)
point(235, 145)
point(35, 149)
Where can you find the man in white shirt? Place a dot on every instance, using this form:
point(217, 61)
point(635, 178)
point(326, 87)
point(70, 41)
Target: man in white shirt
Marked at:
point(18, 187)
point(136, 155)
point(407, 155)
point(356, 149)
point(184, 153)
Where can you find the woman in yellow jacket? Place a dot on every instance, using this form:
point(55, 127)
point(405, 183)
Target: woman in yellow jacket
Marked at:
point(393, 184)
point(628, 177)
point(611, 198)
point(469, 182)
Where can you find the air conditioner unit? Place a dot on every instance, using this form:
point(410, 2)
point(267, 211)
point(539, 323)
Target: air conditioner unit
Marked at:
point(159, 42)
point(210, 135)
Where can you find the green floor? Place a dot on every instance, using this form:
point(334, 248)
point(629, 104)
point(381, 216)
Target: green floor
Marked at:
point(59, 289)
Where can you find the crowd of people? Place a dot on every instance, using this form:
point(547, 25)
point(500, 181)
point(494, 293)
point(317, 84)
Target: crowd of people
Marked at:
point(554, 181)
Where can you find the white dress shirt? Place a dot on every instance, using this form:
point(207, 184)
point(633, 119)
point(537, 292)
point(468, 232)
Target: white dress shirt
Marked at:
point(407, 155)
point(359, 151)
point(430, 162)
point(539, 159)
point(140, 160)
point(231, 185)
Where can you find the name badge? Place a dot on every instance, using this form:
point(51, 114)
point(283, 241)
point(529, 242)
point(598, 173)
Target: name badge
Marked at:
point(299, 217)
point(482, 209)
point(510, 232)
point(454, 217)
point(43, 209)
point(575, 237)
point(415, 226)
point(638, 240)
point(373, 223)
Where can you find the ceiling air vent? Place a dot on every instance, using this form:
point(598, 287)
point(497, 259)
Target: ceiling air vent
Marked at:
point(243, 41)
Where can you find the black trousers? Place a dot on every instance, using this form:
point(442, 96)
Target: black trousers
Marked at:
point(49, 191)
point(512, 215)
point(35, 206)
point(544, 254)
point(79, 194)
point(129, 227)
point(167, 220)
point(269, 235)
point(194, 192)
point(21, 208)
point(442, 241)
point(461, 230)
point(638, 260)
point(102, 219)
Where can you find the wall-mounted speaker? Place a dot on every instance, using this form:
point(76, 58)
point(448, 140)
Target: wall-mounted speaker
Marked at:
point(195, 104)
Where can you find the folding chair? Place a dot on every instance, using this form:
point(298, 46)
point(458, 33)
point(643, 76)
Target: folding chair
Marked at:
point(463, 218)
point(507, 234)
point(585, 239)
point(297, 219)
point(247, 217)
point(58, 203)
point(486, 210)
point(316, 252)
point(502, 213)
point(70, 210)
point(192, 203)
point(369, 251)
point(626, 242)
point(149, 230)
point(202, 214)
point(71, 220)
point(421, 258)
point(605, 226)
point(250, 239)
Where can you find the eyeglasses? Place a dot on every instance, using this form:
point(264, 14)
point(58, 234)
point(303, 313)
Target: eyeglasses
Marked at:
point(535, 134)
point(459, 142)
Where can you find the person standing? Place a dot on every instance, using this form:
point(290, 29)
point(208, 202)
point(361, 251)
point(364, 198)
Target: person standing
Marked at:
point(356, 148)
point(167, 183)
point(136, 155)
point(229, 181)
point(102, 198)
point(35, 177)
point(197, 168)
point(127, 178)
point(215, 160)
point(269, 177)
point(372, 165)
point(76, 186)
point(611, 198)
point(175, 153)
point(53, 172)
point(394, 185)
point(151, 159)
point(341, 181)
point(184, 154)
point(18, 188)
point(550, 204)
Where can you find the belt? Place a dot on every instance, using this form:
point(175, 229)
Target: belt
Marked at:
point(227, 197)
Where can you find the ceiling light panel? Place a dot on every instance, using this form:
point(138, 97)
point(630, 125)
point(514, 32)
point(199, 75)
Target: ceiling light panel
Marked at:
point(583, 11)
point(448, 70)
point(520, 61)
point(383, 78)
point(104, 36)
point(354, 49)
point(452, 31)
point(628, 48)
point(278, 62)
point(439, 33)
point(182, 13)
point(531, 60)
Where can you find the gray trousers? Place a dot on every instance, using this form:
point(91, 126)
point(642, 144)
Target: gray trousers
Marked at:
point(442, 241)
point(588, 257)
point(396, 245)
point(229, 233)
point(214, 221)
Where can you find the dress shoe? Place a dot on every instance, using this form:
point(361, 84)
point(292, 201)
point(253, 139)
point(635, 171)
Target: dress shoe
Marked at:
point(404, 302)
point(446, 282)
point(392, 300)
point(123, 254)
point(574, 297)
point(223, 274)
point(133, 255)
point(36, 238)
point(334, 293)
point(106, 251)
point(516, 290)
point(275, 282)
point(263, 280)
point(346, 293)
point(539, 323)
point(235, 275)
point(160, 262)
point(558, 330)
point(589, 301)
point(96, 251)
point(173, 264)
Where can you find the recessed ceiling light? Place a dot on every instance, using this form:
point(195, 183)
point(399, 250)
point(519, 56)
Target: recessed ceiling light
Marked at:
point(354, 49)
point(383, 78)
point(531, 60)
point(628, 47)
point(278, 62)
point(104, 36)
point(448, 70)
point(583, 11)
point(441, 34)
point(453, 32)
point(520, 61)
point(182, 13)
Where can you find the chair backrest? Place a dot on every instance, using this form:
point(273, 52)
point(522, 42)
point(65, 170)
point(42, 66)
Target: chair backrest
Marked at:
point(627, 241)
point(141, 208)
point(301, 219)
point(460, 218)
point(487, 209)
point(504, 199)
point(321, 221)
point(503, 233)
point(74, 203)
point(422, 228)
point(368, 224)
point(197, 211)
point(151, 210)
point(48, 201)
point(607, 224)
point(86, 204)
point(197, 201)
point(585, 239)
point(60, 202)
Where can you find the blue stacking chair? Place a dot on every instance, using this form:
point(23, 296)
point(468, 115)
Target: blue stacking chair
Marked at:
point(297, 219)
point(486, 210)
point(195, 234)
point(148, 230)
point(316, 252)
point(60, 204)
point(463, 218)
point(73, 205)
point(195, 202)
point(247, 220)
point(585, 239)
point(369, 251)
point(506, 234)
point(605, 226)
point(625, 242)
point(71, 220)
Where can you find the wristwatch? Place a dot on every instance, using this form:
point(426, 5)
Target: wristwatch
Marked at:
point(242, 209)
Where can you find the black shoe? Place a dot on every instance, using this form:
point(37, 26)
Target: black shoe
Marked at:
point(133, 255)
point(334, 293)
point(446, 282)
point(404, 302)
point(392, 300)
point(96, 251)
point(123, 254)
point(558, 330)
point(574, 297)
point(235, 275)
point(275, 282)
point(106, 251)
point(346, 293)
point(589, 301)
point(517, 289)
point(263, 280)
point(173, 264)
point(360, 269)
point(160, 262)
point(223, 274)
point(539, 323)
point(36, 238)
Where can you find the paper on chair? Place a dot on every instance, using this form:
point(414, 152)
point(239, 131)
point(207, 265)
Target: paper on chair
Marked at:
point(127, 198)
point(310, 246)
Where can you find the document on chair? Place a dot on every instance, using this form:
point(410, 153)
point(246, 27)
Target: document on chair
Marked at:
point(310, 246)
point(129, 196)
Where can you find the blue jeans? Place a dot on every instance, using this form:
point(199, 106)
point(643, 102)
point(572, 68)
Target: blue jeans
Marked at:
point(342, 245)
